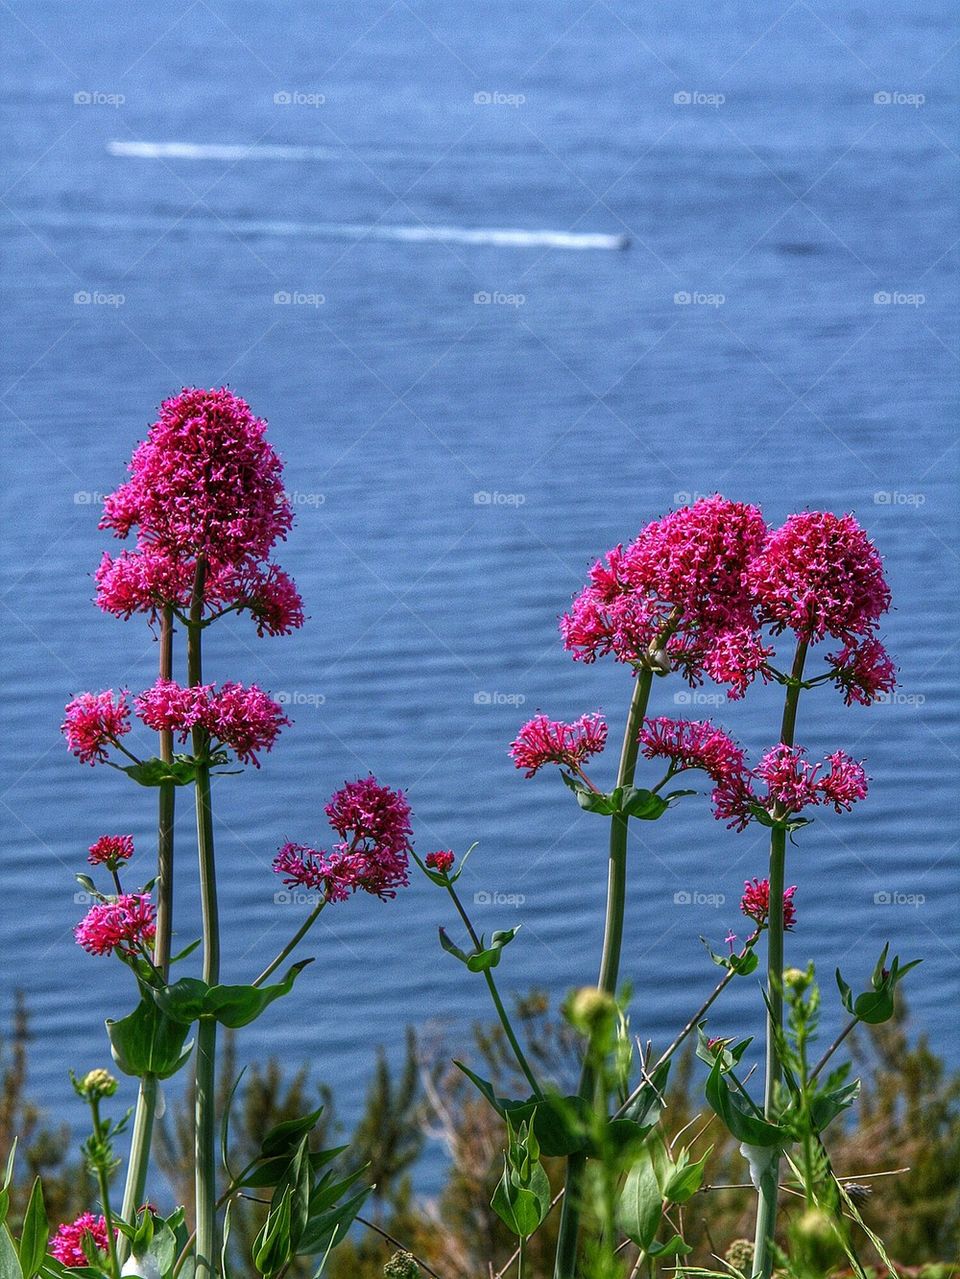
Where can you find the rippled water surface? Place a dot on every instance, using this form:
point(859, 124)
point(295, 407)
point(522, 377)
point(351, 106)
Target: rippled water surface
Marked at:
point(457, 463)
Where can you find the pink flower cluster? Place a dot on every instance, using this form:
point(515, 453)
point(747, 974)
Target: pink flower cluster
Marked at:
point(111, 850)
point(120, 924)
point(545, 741)
point(67, 1244)
point(755, 902)
point(93, 722)
point(679, 587)
point(696, 589)
point(372, 854)
point(244, 719)
point(204, 482)
point(792, 784)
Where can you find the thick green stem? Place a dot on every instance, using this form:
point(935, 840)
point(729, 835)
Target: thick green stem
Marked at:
point(207, 1250)
point(497, 1001)
point(566, 1258)
point(769, 1181)
point(141, 1135)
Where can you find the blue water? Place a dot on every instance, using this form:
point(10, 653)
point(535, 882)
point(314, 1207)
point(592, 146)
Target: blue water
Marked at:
point(580, 401)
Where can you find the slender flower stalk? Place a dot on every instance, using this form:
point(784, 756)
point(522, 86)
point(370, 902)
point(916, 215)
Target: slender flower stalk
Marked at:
point(770, 1179)
point(142, 1132)
point(205, 1132)
point(293, 943)
point(566, 1258)
point(495, 996)
point(100, 1138)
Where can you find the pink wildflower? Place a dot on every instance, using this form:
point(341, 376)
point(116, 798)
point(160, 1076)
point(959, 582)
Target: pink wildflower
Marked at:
point(93, 722)
point(845, 783)
point(819, 574)
point(794, 784)
point(67, 1244)
point(244, 719)
point(697, 744)
point(119, 924)
point(373, 823)
point(863, 670)
point(755, 902)
point(679, 586)
point(169, 707)
point(442, 860)
point(545, 741)
point(110, 850)
point(204, 482)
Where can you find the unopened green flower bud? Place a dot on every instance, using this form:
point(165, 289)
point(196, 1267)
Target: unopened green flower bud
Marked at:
point(96, 1084)
point(817, 1241)
point(591, 1010)
point(796, 979)
point(402, 1265)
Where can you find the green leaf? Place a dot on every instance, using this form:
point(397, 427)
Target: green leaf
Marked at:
point(828, 1105)
point(641, 1205)
point(483, 960)
point(522, 1208)
point(269, 1172)
point(330, 1224)
point(9, 1261)
point(685, 1179)
point(644, 804)
point(299, 1178)
point(648, 1105)
point(674, 1247)
point(284, 1137)
point(148, 1042)
point(154, 772)
point(450, 947)
point(162, 1249)
point(874, 1006)
point(187, 950)
point(731, 1107)
point(271, 1248)
point(846, 994)
point(592, 801)
point(35, 1233)
point(233, 1006)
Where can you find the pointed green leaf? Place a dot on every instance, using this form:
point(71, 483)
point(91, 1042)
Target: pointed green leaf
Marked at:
point(483, 960)
point(731, 1107)
point(148, 1042)
point(641, 1206)
point(35, 1233)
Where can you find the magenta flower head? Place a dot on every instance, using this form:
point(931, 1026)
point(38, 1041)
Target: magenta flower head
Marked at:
point(121, 924)
point(819, 574)
point(863, 671)
point(372, 855)
point(755, 902)
point(697, 744)
point(677, 590)
point(110, 851)
point(204, 482)
point(442, 860)
point(547, 741)
point(67, 1244)
point(93, 722)
point(245, 719)
point(793, 783)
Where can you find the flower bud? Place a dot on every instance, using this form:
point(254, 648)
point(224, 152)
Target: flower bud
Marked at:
point(96, 1084)
point(817, 1241)
point(740, 1256)
point(796, 979)
point(590, 1010)
point(402, 1265)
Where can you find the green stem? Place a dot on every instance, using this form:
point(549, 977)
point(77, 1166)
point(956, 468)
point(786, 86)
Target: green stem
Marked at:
point(101, 1174)
point(292, 944)
point(497, 1001)
point(207, 1250)
point(769, 1181)
point(142, 1131)
point(566, 1257)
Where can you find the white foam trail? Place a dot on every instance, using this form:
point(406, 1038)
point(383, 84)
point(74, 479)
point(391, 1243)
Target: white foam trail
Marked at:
point(219, 151)
point(506, 237)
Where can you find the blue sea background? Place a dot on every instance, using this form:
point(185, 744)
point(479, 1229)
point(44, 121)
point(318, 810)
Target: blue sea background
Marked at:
point(457, 464)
